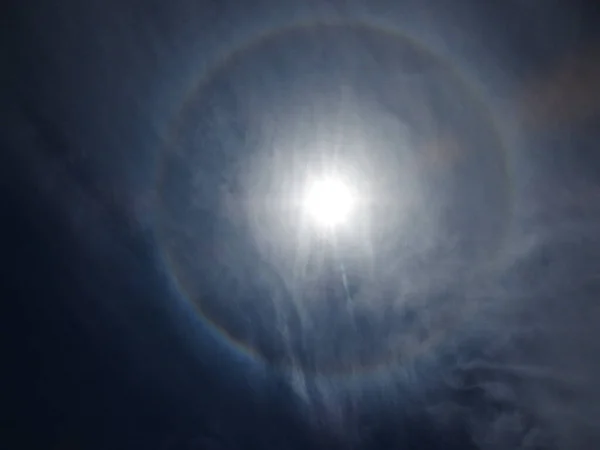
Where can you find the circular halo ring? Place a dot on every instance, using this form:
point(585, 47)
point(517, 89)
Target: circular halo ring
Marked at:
point(220, 65)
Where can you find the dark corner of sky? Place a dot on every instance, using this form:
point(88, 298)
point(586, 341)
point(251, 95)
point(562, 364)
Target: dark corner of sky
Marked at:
point(262, 224)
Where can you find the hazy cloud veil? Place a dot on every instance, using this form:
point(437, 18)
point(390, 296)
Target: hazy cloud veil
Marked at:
point(473, 302)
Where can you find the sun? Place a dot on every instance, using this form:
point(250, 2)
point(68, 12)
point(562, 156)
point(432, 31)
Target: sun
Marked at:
point(329, 201)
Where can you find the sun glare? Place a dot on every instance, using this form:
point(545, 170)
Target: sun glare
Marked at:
point(329, 202)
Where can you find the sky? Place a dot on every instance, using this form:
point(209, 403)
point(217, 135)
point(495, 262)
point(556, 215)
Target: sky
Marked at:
point(162, 286)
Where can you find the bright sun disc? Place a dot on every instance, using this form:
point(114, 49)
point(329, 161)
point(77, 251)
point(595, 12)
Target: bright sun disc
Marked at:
point(329, 202)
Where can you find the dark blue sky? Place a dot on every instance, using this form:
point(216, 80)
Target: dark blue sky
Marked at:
point(157, 292)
